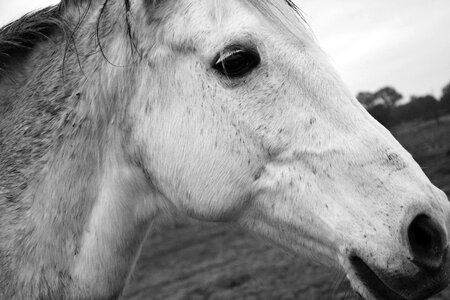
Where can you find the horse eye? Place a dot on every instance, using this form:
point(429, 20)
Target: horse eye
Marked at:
point(237, 62)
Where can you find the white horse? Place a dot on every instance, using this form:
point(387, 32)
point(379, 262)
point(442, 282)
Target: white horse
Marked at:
point(115, 112)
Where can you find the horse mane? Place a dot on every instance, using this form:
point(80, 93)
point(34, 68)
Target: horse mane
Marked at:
point(293, 5)
point(19, 37)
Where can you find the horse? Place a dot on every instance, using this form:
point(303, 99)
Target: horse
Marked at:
point(117, 113)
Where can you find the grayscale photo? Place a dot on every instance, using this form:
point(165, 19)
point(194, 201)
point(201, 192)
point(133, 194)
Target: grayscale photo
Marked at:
point(224, 150)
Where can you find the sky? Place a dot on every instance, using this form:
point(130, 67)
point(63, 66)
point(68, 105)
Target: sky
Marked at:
point(401, 43)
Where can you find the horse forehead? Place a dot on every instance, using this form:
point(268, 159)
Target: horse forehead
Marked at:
point(213, 20)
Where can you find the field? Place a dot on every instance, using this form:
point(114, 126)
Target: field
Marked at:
point(192, 260)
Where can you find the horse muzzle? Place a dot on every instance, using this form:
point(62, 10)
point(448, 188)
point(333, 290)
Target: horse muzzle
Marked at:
point(423, 272)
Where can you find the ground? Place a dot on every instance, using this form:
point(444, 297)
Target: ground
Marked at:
point(193, 260)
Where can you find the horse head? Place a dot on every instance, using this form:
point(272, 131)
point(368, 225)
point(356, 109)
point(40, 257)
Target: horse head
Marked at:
point(226, 111)
point(252, 125)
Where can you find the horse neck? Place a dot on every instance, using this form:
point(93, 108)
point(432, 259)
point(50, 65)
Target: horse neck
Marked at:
point(73, 223)
point(84, 230)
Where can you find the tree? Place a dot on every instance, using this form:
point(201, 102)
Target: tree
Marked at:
point(445, 99)
point(381, 104)
point(446, 90)
point(366, 99)
point(389, 95)
point(386, 96)
point(382, 114)
point(426, 107)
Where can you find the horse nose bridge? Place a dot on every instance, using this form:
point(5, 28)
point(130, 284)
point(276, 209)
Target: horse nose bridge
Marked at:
point(382, 158)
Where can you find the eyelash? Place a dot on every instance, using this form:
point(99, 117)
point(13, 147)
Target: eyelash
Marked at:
point(236, 61)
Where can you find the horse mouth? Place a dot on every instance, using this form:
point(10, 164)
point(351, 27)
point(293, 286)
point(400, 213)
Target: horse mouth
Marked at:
point(383, 286)
point(372, 282)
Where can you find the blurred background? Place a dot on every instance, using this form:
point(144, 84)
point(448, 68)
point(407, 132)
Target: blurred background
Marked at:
point(395, 58)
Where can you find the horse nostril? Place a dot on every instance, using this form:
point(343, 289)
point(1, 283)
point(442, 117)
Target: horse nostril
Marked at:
point(427, 241)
